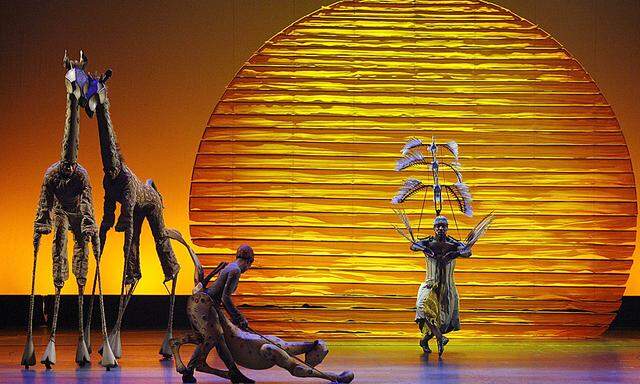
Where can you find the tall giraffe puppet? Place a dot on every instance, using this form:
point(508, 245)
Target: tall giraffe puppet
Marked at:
point(66, 204)
point(138, 201)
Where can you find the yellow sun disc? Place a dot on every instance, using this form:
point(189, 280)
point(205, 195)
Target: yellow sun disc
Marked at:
point(298, 161)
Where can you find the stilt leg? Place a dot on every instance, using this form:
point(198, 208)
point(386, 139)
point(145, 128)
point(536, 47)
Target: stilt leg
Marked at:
point(29, 354)
point(87, 329)
point(165, 350)
point(114, 336)
point(108, 359)
point(49, 357)
point(82, 354)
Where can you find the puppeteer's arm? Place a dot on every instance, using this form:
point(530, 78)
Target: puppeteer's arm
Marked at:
point(463, 250)
point(88, 224)
point(42, 223)
point(419, 245)
point(230, 287)
point(127, 206)
point(109, 212)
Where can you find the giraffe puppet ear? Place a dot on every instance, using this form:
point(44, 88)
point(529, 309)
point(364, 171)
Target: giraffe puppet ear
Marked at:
point(65, 61)
point(83, 59)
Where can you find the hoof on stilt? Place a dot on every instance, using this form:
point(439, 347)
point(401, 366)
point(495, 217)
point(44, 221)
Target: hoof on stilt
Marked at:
point(29, 354)
point(87, 338)
point(108, 359)
point(82, 354)
point(165, 349)
point(317, 354)
point(116, 345)
point(49, 357)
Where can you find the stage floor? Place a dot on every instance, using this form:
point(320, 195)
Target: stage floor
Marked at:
point(615, 358)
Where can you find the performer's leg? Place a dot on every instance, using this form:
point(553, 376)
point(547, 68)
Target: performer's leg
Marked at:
point(202, 366)
point(279, 357)
point(314, 351)
point(60, 275)
point(167, 257)
point(426, 335)
point(436, 331)
point(213, 335)
point(177, 343)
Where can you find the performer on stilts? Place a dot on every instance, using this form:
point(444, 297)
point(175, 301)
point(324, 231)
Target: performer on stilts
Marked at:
point(437, 304)
point(234, 340)
point(66, 205)
point(138, 202)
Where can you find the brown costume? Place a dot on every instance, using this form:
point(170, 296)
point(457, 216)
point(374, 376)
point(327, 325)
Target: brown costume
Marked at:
point(235, 342)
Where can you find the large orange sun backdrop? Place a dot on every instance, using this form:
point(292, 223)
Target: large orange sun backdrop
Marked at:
point(297, 160)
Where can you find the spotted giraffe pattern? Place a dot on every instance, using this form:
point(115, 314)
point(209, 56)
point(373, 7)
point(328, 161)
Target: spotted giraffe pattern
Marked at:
point(248, 349)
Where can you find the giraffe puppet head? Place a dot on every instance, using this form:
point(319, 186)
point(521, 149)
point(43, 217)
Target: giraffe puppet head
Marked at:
point(88, 89)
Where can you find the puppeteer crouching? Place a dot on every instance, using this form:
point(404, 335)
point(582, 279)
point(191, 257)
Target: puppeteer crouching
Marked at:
point(437, 307)
point(233, 338)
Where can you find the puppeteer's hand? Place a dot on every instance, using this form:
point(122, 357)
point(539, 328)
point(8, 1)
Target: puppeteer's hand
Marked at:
point(41, 229)
point(463, 251)
point(450, 255)
point(242, 323)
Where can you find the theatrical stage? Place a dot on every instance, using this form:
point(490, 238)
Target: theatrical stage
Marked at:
point(614, 358)
point(373, 165)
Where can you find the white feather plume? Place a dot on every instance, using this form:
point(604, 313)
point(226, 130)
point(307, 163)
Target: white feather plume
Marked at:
point(412, 143)
point(452, 146)
point(479, 230)
point(412, 159)
point(410, 187)
point(462, 195)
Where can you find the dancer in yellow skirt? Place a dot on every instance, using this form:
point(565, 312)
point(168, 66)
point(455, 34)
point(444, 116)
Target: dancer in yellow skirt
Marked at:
point(437, 303)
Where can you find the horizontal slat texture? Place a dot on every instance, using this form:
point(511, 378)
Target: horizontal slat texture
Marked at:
point(298, 160)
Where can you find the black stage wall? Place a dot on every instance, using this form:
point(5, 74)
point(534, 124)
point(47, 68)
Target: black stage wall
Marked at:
point(151, 312)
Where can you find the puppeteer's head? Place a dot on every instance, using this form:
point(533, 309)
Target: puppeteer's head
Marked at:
point(440, 226)
point(67, 168)
point(244, 257)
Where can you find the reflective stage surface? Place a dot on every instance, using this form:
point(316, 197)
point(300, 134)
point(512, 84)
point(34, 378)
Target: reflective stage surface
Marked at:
point(614, 358)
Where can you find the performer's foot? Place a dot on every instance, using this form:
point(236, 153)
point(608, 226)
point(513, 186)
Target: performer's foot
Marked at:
point(441, 343)
point(239, 378)
point(345, 377)
point(188, 377)
point(424, 343)
point(317, 353)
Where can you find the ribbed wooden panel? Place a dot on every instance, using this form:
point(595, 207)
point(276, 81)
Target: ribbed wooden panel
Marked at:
point(297, 160)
